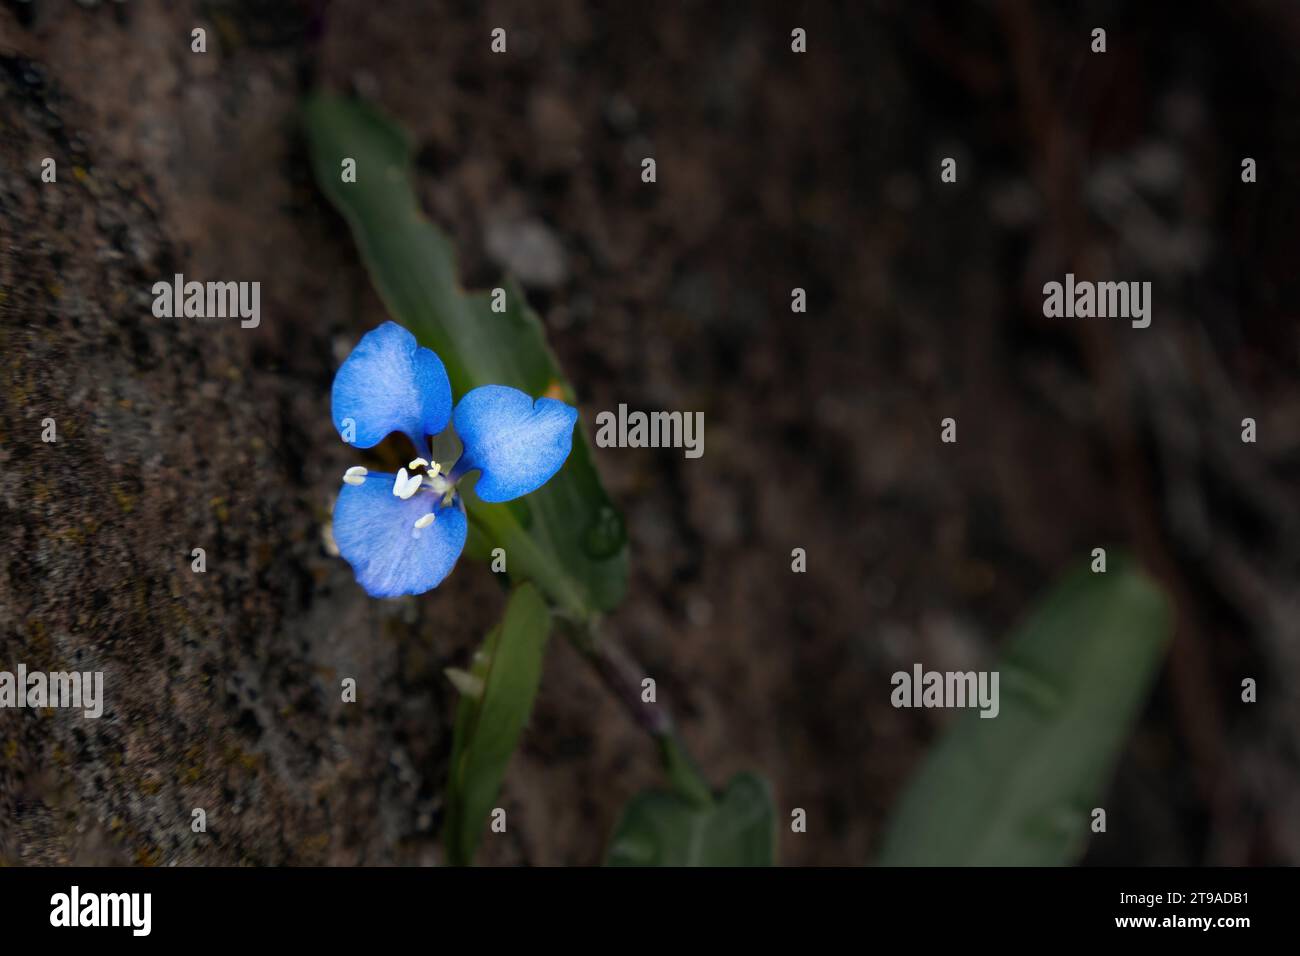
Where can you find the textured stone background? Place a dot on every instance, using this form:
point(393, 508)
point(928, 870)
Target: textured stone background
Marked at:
point(774, 171)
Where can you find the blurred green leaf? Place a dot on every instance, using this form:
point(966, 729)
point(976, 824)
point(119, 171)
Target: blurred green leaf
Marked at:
point(1018, 789)
point(505, 673)
point(662, 828)
point(566, 536)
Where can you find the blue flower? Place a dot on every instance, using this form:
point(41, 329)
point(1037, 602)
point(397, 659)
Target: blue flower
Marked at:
point(403, 533)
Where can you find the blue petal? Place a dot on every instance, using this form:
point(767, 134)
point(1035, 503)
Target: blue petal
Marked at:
point(391, 384)
point(517, 443)
point(375, 531)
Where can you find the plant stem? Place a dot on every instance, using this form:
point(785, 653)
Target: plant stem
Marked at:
point(623, 676)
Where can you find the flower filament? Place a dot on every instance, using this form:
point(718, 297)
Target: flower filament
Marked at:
point(409, 480)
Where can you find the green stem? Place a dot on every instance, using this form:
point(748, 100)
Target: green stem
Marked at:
point(499, 525)
point(682, 772)
point(623, 676)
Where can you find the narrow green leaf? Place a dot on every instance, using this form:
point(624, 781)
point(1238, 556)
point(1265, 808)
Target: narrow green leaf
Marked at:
point(1018, 789)
point(566, 537)
point(507, 671)
point(663, 828)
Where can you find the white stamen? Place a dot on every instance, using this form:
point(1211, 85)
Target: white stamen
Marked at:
point(356, 470)
point(417, 463)
point(405, 485)
point(434, 469)
point(438, 484)
point(425, 521)
point(354, 480)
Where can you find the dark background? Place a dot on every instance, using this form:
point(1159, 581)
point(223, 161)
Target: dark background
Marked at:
point(775, 170)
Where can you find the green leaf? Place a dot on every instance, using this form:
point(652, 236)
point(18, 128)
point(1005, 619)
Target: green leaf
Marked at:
point(662, 828)
point(1018, 789)
point(566, 536)
point(505, 674)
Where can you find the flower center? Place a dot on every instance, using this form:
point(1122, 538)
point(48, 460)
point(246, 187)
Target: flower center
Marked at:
point(431, 482)
point(418, 476)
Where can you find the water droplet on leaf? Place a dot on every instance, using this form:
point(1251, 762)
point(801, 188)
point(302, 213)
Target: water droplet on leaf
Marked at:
point(605, 535)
